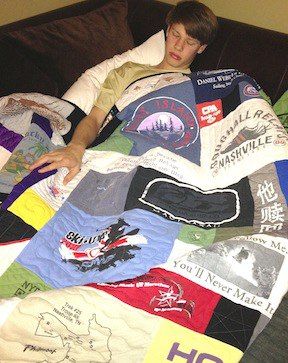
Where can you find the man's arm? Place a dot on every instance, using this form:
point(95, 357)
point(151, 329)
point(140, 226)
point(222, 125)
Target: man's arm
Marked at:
point(71, 155)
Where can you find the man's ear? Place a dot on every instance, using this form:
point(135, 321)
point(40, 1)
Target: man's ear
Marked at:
point(202, 48)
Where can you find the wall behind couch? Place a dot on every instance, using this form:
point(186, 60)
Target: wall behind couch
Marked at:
point(269, 14)
point(13, 10)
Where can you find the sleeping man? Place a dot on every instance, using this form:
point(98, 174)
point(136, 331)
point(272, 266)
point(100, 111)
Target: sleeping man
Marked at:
point(191, 27)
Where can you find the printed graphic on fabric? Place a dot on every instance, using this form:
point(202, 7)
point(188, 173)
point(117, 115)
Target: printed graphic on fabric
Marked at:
point(213, 207)
point(90, 321)
point(91, 344)
point(56, 192)
point(240, 141)
point(243, 263)
point(114, 244)
point(222, 234)
point(271, 213)
point(250, 91)
point(167, 120)
point(159, 193)
point(98, 248)
point(31, 147)
point(209, 112)
point(13, 228)
point(19, 161)
point(215, 110)
point(27, 287)
point(21, 106)
point(169, 295)
point(232, 323)
point(211, 85)
point(174, 343)
point(20, 282)
point(246, 134)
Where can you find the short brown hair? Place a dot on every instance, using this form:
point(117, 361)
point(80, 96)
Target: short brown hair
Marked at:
point(199, 21)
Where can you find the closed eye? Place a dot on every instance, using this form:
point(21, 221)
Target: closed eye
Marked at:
point(175, 34)
point(191, 44)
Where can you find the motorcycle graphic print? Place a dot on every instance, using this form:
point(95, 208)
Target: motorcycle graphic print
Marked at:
point(103, 250)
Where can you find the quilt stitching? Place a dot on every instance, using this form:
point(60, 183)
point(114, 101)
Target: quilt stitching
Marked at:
point(183, 147)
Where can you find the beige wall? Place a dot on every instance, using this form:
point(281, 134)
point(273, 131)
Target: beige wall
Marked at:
point(13, 10)
point(269, 14)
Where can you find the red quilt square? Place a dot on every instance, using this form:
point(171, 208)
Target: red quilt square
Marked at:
point(169, 295)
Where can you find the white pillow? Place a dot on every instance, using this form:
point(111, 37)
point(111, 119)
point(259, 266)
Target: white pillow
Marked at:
point(84, 91)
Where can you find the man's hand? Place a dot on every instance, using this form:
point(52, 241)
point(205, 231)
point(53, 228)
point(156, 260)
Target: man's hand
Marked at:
point(69, 157)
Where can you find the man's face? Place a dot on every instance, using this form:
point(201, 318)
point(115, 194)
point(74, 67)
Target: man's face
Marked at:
point(180, 48)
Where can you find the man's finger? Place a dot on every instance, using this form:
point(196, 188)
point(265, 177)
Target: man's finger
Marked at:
point(72, 173)
point(42, 160)
point(37, 163)
point(46, 159)
point(54, 155)
point(54, 165)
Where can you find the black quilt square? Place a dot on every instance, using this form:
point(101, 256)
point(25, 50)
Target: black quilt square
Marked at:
point(13, 228)
point(232, 323)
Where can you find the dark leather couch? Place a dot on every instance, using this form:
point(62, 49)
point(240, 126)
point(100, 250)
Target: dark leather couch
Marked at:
point(263, 54)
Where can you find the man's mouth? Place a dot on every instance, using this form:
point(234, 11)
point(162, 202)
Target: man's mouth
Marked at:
point(175, 56)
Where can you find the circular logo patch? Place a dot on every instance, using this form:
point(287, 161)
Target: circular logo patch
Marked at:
point(249, 90)
point(167, 120)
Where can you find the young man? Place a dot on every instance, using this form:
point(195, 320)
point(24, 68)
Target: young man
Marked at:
point(191, 27)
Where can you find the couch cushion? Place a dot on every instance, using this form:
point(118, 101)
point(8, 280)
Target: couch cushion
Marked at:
point(67, 47)
point(27, 78)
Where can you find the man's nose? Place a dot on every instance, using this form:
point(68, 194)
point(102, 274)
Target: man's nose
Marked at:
point(179, 45)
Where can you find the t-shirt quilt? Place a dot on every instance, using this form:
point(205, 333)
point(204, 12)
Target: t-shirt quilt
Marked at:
point(170, 245)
